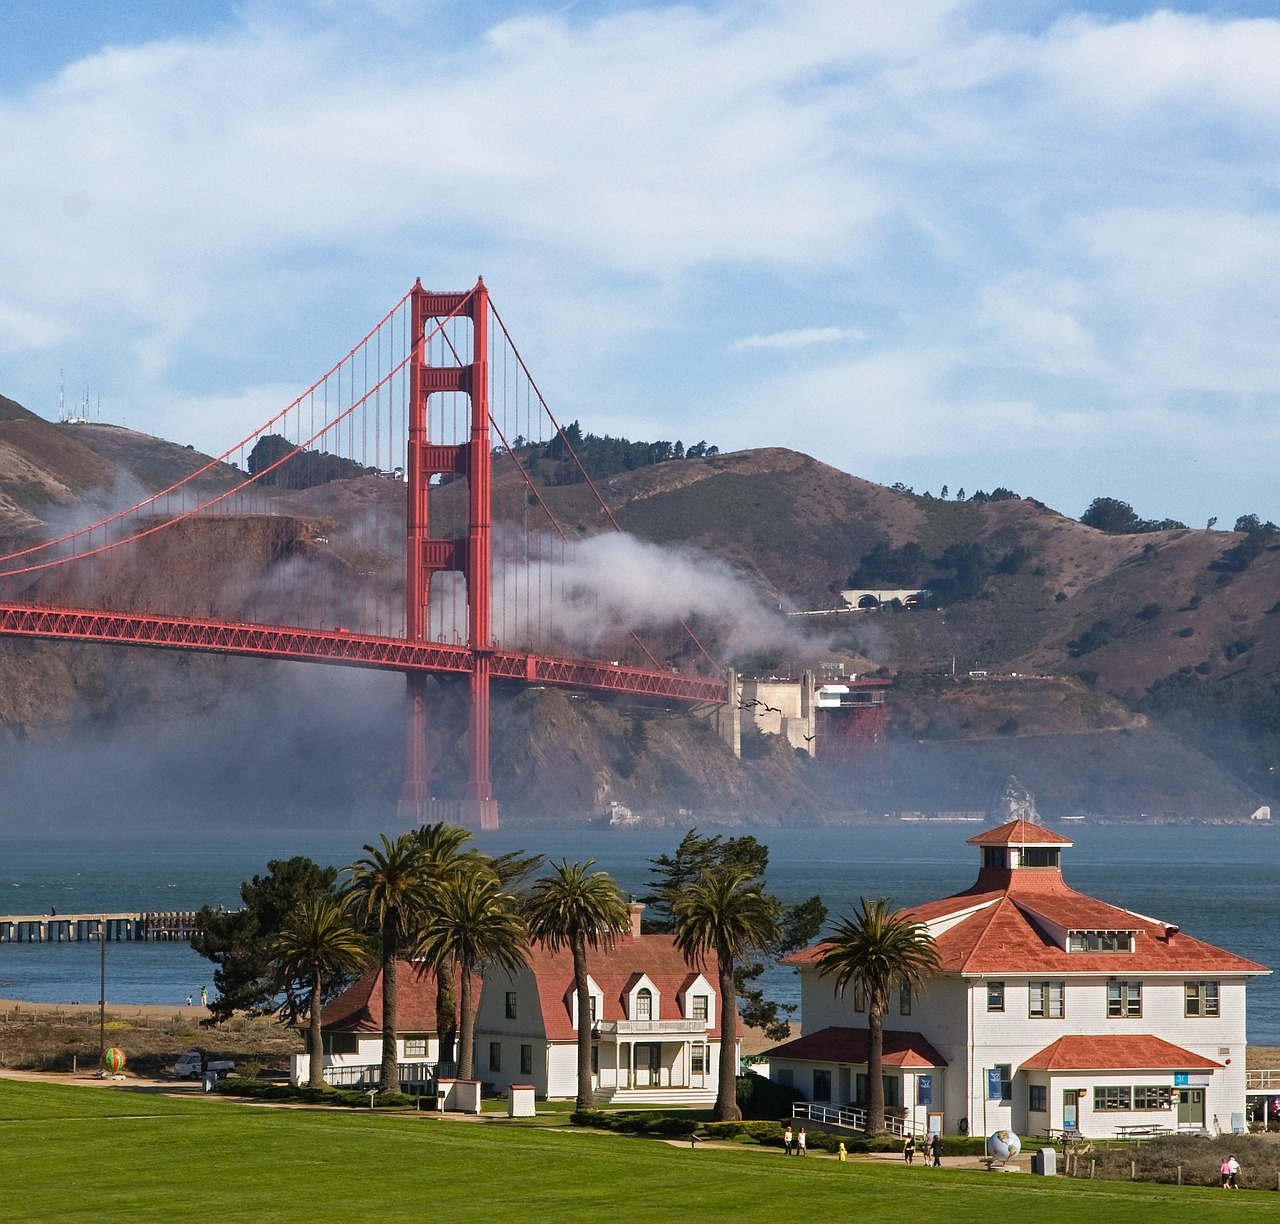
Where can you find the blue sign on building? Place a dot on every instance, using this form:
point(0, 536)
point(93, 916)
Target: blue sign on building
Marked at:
point(995, 1084)
point(924, 1089)
point(1181, 1079)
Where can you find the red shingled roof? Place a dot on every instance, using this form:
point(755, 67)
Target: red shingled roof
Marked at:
point(850, 1045)
point(616, 972)
point(1138, 1052)
point(1007, 914)
point(1019, 833)
point(359, 1008)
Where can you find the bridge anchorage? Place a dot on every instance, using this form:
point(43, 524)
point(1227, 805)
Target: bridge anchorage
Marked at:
point(432, 432)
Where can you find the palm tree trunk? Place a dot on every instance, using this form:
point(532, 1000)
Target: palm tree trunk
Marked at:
point(586, 1096)
point(466, 1027)
point(727, 1093)
point(316, 1078)
point(447, 1009)
point(390, 1054)
point(875, 1068)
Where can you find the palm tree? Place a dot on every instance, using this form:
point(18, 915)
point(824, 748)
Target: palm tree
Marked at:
point(725, 912)
point(878, 949)
point(576, 910)
point(472, 923)
point(442, 848)
point(388, 891)
point(317, 943)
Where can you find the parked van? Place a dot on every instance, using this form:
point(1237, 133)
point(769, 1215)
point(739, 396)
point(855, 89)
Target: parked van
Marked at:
point(193, 1064)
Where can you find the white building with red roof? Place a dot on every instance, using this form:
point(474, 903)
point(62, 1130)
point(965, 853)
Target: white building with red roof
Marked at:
point(351, 1029)
point(1052, 1011)
point(655, 1030)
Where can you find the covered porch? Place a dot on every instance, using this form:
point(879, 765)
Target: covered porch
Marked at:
point(645, 1060)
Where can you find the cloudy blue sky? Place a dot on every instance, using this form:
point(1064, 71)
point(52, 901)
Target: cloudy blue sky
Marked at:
point(922, 241)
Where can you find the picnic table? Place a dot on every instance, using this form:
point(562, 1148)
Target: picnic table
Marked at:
point(1148, 1130)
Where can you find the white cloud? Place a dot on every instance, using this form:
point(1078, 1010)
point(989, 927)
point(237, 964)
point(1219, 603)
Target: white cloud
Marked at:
point(798, 338)
point(1044, 234)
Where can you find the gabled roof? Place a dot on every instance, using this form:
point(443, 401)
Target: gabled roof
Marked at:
point(1019, 833)
point(850, 1045)
point(616, 973)
point(1136, 1052)
point(359, 1008)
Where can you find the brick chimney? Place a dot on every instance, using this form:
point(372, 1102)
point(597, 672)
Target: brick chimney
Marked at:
point(637, 908)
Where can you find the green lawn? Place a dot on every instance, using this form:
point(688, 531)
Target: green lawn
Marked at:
point(75, 1154)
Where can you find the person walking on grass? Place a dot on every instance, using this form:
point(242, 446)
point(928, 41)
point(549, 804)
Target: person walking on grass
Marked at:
point(1233, 1172)
point(786, 1144)
point(802, 1143)
point(1224, 1171)
point(909, 1149)
point(935, 1150)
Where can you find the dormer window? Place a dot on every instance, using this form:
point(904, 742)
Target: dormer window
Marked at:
point(1100, 941)
point(644, 1003)
point(995, 857)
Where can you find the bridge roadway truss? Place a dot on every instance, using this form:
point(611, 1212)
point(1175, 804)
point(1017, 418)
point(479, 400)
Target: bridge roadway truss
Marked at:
point(349, 650)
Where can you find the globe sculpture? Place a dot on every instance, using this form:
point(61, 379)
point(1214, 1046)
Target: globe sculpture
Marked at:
point(1004, 1145)
point(113, 1059)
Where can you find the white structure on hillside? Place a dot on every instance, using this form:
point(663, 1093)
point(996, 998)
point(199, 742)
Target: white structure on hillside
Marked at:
point(1053, 1011)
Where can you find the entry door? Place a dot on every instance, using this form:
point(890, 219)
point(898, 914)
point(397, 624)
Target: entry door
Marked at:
point(1070, 1105)
point(1191, 1108)
point(648, 1060)
point(846, 1086)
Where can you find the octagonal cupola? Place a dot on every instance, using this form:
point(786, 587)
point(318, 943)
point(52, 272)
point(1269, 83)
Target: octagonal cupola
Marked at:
point(1018, 850)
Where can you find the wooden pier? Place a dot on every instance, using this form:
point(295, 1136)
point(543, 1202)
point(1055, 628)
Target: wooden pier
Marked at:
point(156, 926)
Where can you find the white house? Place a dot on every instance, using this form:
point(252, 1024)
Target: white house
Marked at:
point(655, 1024)
point(351, 1028)
point(1052, 1011)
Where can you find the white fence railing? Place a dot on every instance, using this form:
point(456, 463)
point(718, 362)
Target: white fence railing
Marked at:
point(851, 1117)
point(1262, 1079)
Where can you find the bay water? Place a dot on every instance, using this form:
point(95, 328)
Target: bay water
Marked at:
point(1219, 883)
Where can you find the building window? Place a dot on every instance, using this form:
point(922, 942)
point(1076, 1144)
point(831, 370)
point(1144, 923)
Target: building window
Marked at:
point(860, 1091)
point(1038, 1098)
point(595, 1059)
point(526, 1059)
point(1045, 1000)
point(699, 1007)
point(892, 1091)
point(1006, 1081)
point(859, 997)
point(1111, 1098)
point(996, 857)
point(1124, 999)
point(511, 1004)
point(904, 998)
point(1152, 1096)
point(342, 1043)
point(1041, 856)
point(1099, 941)
point(995, 996)
point(787, 1077)
point(1202, 999)
point(495, 1056)
point(415, 1047)
point(593, 1010)
point(698, 1059)
point(644, 1003)
point(821, 1085)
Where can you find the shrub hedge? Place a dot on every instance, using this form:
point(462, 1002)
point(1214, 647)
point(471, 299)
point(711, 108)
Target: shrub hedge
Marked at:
point(350, 1098)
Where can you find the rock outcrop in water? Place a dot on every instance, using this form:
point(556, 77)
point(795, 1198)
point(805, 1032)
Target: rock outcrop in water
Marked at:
point(1015, 802)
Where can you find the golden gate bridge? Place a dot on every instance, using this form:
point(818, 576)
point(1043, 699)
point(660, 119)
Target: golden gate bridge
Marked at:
point(396, 515)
